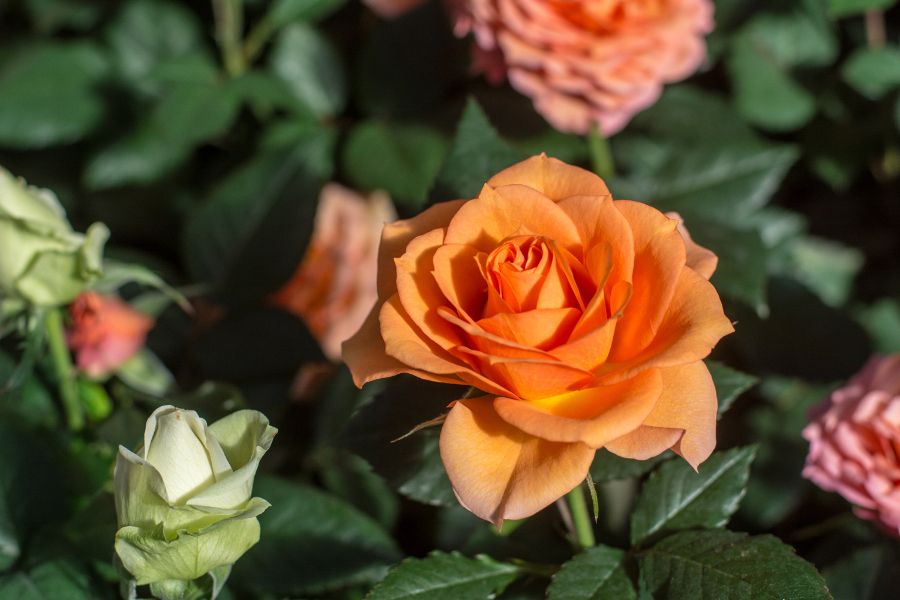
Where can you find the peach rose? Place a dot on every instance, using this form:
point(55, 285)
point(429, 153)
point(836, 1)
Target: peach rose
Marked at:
point(105, 333)
point(854, 442)
point(334, 286)
point(587, 61)
point(583, 320)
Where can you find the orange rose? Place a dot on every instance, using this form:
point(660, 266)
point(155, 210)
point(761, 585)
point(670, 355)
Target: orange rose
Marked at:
point(105, 333)
point(587, 61)
point(582, 319)
point(334, 286)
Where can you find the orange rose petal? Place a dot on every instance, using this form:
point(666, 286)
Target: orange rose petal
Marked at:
point(405, 342)
point(459, 277)
point(499, 472)
point(553, 178)
point(659, 258)
point(645, 442)
point(396, 236)
point(531, 378)
point(700, 259)
point(419, 292)
point(589, 351)
point(691, 328)
point(510, 211)
point(541, 328)
point(600, 223)
point(592, 416)
point(367, 360)
point(688, 402)
point(491, 344)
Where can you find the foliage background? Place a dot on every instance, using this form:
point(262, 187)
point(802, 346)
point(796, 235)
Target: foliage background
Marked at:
point(783, 155)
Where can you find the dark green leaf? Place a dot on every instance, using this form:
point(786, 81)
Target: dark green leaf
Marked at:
point(596, 574)
point(311, 542)
point(608, 467)
point(48, 94)
point(675, 497)
point(846, 8)
point(351, 478)
point(445, 577)
point(721, 564)
point(741, 273)
point(873, 72)
point(284, 12)
point(147, 33)
point(311, 68)
point(730, 383)
point(57, 580)
point(412, 465)
point(402, 160)
point(870, 573)
point(476, 155)
point(882, 321)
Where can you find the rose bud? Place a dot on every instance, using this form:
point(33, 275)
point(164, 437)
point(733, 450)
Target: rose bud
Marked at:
point(334, 286)
point(184, 500)
point(586, 62)
point(105, 333)
point(43, 262)
point(854, 440)
point(582, 320)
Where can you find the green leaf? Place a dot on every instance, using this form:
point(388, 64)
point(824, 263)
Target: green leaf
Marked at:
point(145, 373)
point(310, 543)
point(311, 68)
point(147, 33)
point(54, 580)
point(826, 267)
point(741, 273)
point(48, 94)
point(675, 497)
point(730, 383)
point(596, 574)
point(284, 12)
point(476, 155)
point(873, 72)
point(412, 465)
point(188, 115)
point(724, 564)
point(609, 467)
point(252, 231)
point(866, 574)
point(882, 321)
point(445, 577)
point(846, 8)
point(402, 160)
point(24, 396)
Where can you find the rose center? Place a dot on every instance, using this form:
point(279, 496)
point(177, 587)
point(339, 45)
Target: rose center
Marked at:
point(605, 15)
point(525, 273)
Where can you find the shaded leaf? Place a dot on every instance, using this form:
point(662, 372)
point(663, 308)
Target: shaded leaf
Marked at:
point(310, 67)
point(730, 384)
point(596, 574)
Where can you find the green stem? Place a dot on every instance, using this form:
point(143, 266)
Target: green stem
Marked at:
point(62, 366)
point(229, 29)
point(257, 39)
point(601, 154)
point(581, 518)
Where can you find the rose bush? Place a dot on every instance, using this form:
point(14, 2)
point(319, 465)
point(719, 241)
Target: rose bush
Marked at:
point(854, 439)
point(587, 61)
point(334, 285)
point(583, 320)
point(105, 333)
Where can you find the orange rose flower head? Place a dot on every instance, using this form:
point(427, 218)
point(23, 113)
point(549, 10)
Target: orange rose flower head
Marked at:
point(105, 333)
point(584, 322)
point(333, 288)
point(587, 61)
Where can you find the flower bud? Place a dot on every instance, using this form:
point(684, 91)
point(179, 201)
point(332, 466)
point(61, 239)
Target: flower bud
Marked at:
point(184, 501)
point(43, 262)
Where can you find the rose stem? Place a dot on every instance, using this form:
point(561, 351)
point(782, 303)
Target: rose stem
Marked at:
point(875, 31)
point(229, 20)
point(584, 529)
point(62, 365)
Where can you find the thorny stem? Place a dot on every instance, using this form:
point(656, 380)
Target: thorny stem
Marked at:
point(62, 366)
point(581, 518)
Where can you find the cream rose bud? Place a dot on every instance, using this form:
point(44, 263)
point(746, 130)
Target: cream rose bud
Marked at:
point(184, 501)
point(43, 262)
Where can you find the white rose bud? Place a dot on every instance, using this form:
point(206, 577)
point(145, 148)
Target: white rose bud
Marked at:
point(184, 503)
point(43, 262)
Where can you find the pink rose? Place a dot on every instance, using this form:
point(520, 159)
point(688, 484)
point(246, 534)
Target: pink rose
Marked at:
point(390, 9)
point(854, 442)
point(105, 333)
point(587, 61)
point(334, 286)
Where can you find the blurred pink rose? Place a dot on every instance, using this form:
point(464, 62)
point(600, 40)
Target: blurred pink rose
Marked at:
point(334, 287)
point(587, 61)
point(390, 9)
point(105, 333)
point(854, 442)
